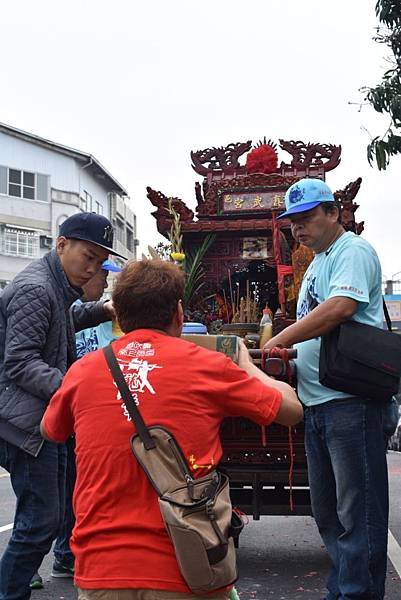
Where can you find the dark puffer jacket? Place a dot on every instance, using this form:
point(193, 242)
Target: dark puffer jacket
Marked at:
point(37, 345)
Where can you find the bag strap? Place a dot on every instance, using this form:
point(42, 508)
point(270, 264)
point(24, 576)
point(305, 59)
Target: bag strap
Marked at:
point(144, 432)
point(132, 408)
point(387, 316)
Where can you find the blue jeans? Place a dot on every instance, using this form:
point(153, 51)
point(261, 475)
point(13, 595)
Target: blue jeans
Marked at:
point(39, 484)
point(346, 453)
point(61, 549)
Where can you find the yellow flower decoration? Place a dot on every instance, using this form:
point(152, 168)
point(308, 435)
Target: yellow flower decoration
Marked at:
point(178, 256)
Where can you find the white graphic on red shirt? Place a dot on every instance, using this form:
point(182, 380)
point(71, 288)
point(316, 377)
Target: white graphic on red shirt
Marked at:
point(136, 370)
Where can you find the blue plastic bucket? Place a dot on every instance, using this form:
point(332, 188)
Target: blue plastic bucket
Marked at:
point(194, 328)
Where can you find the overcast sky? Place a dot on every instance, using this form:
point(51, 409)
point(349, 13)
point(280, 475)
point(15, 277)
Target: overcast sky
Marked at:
point(141, 84)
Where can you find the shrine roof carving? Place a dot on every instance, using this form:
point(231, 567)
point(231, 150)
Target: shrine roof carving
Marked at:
point(162, 215)
point(235, 196)
point(224, 159)
point(309, 156)
point(349, 207)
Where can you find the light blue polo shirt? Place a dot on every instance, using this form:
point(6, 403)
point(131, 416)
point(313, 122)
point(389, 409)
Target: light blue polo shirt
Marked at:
point(93, 338)
point(351, 268)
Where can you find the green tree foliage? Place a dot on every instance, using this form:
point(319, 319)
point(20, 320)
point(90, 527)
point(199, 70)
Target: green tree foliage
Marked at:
point(386, 96)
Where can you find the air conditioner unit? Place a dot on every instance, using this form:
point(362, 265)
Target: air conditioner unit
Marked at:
point(46, 241)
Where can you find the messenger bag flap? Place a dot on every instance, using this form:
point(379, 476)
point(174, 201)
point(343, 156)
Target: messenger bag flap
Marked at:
point(371, 346)
point(160, 463)
point(168, 470)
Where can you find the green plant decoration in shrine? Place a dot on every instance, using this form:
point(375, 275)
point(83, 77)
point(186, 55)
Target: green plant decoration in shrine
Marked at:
point(175, 235)
point(195, 273)
point(190, 261)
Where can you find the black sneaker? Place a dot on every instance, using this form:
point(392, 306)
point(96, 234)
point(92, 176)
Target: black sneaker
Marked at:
point(61, 570)
point(36, 582)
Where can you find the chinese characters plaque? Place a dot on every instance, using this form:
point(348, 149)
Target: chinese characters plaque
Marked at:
point(249, 201)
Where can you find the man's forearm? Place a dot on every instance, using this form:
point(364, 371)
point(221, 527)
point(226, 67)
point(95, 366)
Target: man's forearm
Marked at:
point(254, 371)
point(290, 411)
point(319, 321)
point(89, 314)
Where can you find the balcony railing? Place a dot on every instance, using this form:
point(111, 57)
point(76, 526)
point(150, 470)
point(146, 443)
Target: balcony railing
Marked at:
point(391, 286)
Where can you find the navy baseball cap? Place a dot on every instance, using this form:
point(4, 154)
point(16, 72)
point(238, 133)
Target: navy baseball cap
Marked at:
point(304, 195)
point(109, 265)
point(90, 227)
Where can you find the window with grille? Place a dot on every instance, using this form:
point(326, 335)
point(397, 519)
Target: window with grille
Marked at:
point(120, 231)
point(19, 242)
point(130, 239)
point(21, 184)
point(87, 200)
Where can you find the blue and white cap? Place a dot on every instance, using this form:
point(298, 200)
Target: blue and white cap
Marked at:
point(304, 195)
point(109, 265)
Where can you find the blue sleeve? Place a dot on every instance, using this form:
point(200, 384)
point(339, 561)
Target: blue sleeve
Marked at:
point(86, 341)
point(105, 334)
point(353, 273)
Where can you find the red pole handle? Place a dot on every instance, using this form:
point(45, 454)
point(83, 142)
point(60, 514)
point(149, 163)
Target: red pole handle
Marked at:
point(257, 354)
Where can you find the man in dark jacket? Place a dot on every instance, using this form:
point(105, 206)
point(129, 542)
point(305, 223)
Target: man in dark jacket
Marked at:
point(37, 345)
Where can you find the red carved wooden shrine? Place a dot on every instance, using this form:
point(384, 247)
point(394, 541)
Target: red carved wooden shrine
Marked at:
point(239, 206)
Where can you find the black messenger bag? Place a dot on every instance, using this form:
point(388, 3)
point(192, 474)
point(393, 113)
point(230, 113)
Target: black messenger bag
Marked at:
point(361, 360)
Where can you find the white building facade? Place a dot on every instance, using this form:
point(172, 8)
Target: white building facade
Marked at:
point(41, 184)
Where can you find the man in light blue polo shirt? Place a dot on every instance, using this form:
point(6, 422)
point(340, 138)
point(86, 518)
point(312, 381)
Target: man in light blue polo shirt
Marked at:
point(93, 338)
point(344, 440)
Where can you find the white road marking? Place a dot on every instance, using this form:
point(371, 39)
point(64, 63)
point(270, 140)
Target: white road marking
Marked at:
point(394, 552)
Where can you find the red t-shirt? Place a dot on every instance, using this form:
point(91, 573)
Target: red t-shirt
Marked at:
point(119, 539)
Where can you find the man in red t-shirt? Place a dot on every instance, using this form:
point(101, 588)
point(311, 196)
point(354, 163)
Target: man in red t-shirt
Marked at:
point(121, 546)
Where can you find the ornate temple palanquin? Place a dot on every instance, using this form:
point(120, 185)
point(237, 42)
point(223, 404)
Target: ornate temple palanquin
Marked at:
point(254, 254)
point(238, 204)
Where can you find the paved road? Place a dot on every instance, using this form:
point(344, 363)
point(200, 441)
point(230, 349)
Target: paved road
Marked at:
point(279, 557)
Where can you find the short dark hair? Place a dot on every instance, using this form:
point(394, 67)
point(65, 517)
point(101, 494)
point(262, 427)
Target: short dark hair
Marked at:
point(146, 294)
point(328, 208)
